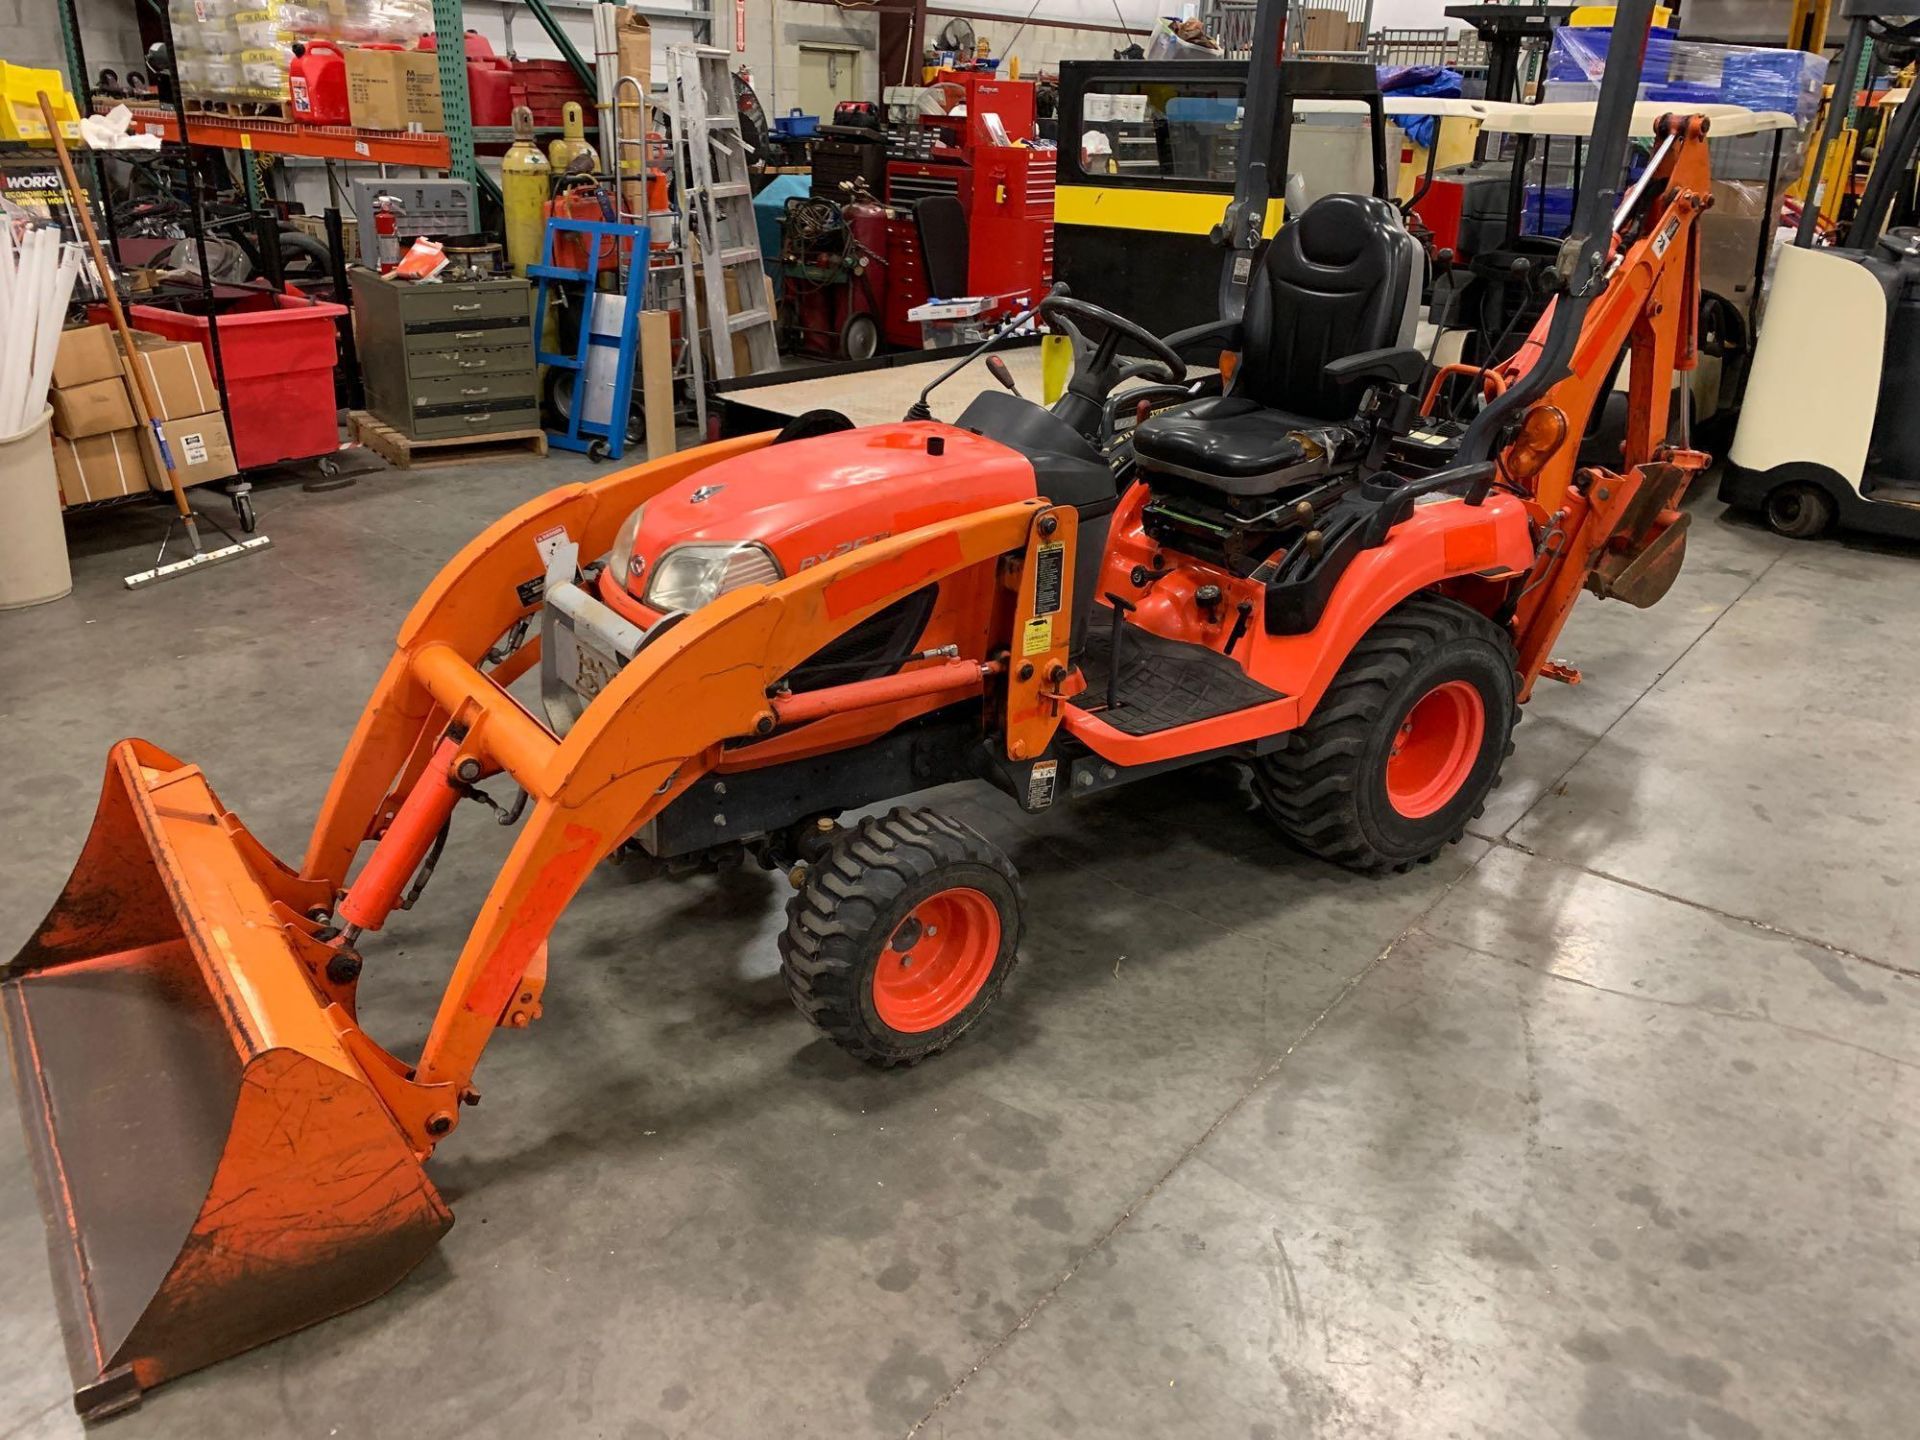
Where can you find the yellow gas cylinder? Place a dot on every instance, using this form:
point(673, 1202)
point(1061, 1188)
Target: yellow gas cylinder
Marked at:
point(572, 141)
point(524, 183)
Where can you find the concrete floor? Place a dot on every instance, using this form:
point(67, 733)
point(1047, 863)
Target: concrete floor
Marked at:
point(1605, 1125)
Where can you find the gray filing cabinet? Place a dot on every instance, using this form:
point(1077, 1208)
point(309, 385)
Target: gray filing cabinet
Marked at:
point(440, 360)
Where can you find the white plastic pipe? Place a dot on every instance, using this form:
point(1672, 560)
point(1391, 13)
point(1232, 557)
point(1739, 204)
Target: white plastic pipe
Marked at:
point(36, 282)
point(7, 263)
point(47, 343)
point(18, 365)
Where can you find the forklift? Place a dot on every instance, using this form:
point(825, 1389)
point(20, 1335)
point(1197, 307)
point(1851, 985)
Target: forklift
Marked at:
point(1830, 432)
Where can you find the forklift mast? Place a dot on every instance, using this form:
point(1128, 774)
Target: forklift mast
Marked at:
point(1507, 29)
point(1584, 254)
point(1266, 131)
point(1245, 221)
point(1865, 22)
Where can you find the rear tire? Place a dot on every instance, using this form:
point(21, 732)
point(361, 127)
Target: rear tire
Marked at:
point(1799, 510)
point(1406, 744)
point(901, 935)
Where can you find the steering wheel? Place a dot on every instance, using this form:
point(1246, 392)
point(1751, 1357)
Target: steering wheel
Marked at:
point(1092, 358)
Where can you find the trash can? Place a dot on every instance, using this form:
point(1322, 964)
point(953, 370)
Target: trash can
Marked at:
point(33, 539)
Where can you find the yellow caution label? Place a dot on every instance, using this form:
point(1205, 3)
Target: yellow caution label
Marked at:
point(1037, 638)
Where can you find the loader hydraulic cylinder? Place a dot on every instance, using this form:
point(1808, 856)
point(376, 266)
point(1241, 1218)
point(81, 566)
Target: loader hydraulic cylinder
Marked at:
point(376, 890)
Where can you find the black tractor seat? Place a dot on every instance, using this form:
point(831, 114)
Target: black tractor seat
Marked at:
point(1239, 481)
point(1240, 447)
point(1339, 282)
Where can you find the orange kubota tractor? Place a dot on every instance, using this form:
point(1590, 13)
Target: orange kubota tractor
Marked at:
point(742, 644)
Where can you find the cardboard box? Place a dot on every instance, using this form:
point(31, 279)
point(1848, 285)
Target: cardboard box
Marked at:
point(392, 89)
point(179, 380)
point(92, 409)
point(201, 451)
point(100, 467)
point(87, 353)
point(1323, 29)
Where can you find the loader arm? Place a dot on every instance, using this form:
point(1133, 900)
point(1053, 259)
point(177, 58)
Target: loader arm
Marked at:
point(657, 728)
point(479, 596)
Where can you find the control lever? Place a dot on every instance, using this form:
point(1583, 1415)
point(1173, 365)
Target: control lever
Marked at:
point(1242, 620)
point(997, 368)
point(1121, 609)
point(920, 410)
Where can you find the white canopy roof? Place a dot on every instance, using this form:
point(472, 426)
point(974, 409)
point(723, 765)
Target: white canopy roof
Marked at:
point(1574, 118)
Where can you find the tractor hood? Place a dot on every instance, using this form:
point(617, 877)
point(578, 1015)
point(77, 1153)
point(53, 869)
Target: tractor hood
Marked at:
point(806, 501)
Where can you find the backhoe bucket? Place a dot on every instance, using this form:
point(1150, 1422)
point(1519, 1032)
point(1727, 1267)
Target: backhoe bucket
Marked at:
point(1644, 554)
point(215, 1169)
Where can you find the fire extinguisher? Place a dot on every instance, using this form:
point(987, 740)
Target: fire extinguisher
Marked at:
point(386, 231)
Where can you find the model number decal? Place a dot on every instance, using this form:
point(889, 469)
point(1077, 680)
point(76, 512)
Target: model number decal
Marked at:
point(843, 548)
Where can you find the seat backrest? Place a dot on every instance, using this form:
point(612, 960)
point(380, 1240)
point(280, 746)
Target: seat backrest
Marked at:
point(1341, 278)
point(942, 223)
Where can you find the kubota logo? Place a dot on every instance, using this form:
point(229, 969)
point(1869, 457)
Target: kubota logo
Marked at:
point(842, 548)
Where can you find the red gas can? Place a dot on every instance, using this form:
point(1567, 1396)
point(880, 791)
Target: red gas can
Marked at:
point(489, 80)
point(317, 79)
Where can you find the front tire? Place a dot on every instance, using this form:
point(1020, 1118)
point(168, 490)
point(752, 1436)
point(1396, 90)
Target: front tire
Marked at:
point(901, 935)
point(1406, 744)
point(1799, 510)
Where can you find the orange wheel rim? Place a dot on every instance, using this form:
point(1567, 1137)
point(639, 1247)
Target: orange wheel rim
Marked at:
point(1435, 749)
point(936, 960)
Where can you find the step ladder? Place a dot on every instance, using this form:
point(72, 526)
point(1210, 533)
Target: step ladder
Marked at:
point(710, 163)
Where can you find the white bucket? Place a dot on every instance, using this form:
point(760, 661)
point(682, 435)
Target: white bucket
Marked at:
point(33, 538)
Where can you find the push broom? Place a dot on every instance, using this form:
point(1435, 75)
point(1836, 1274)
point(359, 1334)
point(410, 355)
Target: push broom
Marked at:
point(148, 411)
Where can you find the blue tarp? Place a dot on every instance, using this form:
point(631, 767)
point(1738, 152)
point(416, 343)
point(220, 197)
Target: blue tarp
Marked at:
point(770, 213)
point(1433, 81)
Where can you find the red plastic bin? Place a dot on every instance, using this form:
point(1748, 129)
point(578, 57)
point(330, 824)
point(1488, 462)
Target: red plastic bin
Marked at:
point(278, 353)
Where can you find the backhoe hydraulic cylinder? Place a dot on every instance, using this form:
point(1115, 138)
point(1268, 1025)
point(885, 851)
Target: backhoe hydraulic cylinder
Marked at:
point(376, 890)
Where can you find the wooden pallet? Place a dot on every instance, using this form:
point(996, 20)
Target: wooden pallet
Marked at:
point(403, 452)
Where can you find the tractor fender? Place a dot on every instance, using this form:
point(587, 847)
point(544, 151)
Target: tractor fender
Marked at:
point(1442, 540)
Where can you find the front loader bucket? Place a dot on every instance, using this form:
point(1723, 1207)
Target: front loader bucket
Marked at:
point(214, 1168)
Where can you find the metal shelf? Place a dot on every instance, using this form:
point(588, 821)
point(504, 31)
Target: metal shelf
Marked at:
point(503, 134)
point(289, 137)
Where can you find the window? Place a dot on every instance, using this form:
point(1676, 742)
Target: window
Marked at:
point(1330, 151)
point(1160, 130)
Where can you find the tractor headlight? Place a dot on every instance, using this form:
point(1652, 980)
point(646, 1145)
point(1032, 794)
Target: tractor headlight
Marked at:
point(620, 560)
point(689, 576)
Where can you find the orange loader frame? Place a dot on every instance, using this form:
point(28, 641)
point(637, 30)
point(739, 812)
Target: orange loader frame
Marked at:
point(281, 1181)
